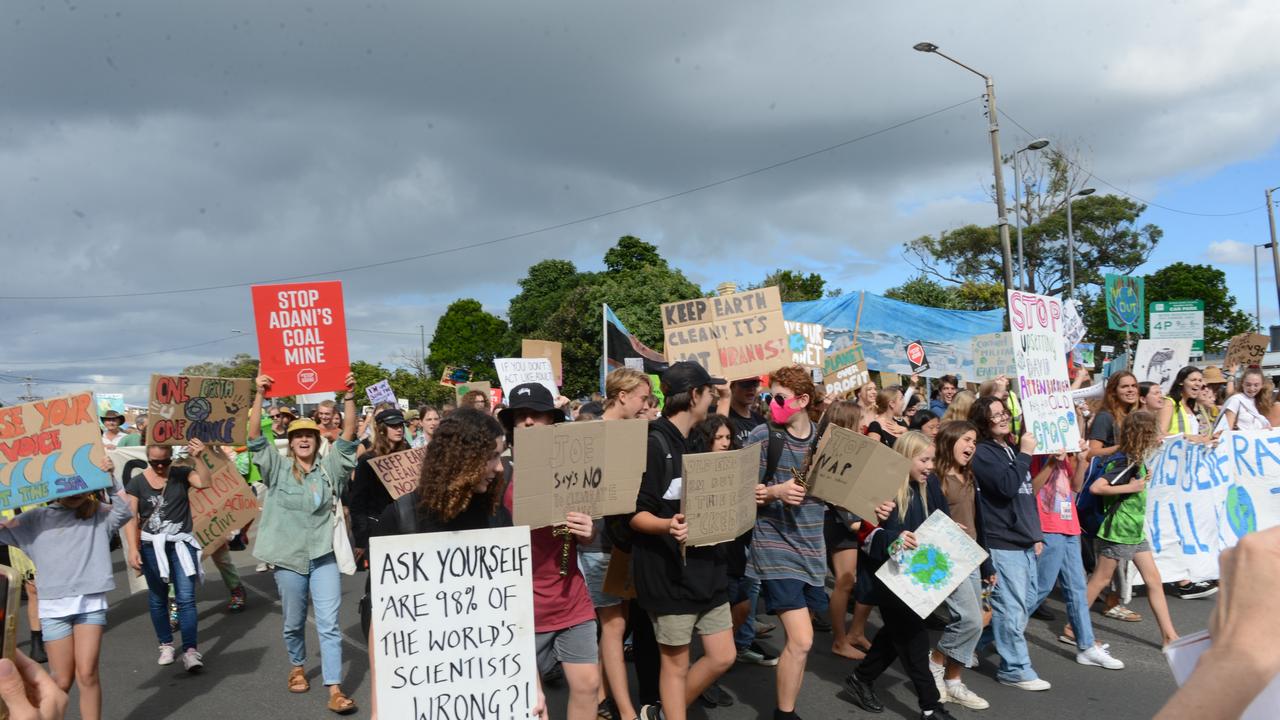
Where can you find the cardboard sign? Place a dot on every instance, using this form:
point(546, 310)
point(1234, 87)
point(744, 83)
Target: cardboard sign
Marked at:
point(213, 410)
point(111, 401)
point(587, 467)
point(544, 349)
point(916, 356)
point(993, 356)
point(380, 392)
point(1123, 295)
point(1158, 361)
point(806, 343)
point(478, 386)
point(495, 397)
point(718, 494)
point(733, 336)
point(634, 363)
point(1073, 329)
point(852, 471)
point(513, 372)
point(50, 449)
point(454, 376)
point(944, 557)
point(227, 505)
point(399, 471)
point(302, 336)
point(1246, 349)
point(617, 579)
point(1043, 386)
point(452, 633)
point(845, 371)
point(889, 379)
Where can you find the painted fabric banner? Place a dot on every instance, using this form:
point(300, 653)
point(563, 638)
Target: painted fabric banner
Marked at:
point(1201, 501)
point(887, 326)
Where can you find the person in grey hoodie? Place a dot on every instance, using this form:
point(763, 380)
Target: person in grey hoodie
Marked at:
point(69, 540)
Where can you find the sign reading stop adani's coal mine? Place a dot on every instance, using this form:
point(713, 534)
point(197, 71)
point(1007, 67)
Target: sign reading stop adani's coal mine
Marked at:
point(733, 336)
point(187, 407)
point(1043, 388)
point(302, 336)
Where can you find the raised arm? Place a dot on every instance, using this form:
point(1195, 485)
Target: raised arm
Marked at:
point(349, 408)
point(261, 383)
point(202, 475)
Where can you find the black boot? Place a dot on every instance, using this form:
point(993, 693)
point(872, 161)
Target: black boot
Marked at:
point(37, 647)
point(862, 694)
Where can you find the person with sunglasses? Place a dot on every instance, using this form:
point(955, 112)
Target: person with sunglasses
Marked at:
point(162, 547)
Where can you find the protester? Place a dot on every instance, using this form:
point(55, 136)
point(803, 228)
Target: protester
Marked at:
point(840, 529)
point(926, 422)
point(904, 636)
point(477, 399)
point(1122, 537)
point(1185, 413)
point(369, 496)
point(1151, 397)
point(296, 535)
point(948, 385)
point(163, 548)
point(1120, 398)
point(73, 586)
point(1012, 526)
point(866, 397)
point(564, 618)
point(138, 435)
point(1251, 407)
point(111, 433)
point(330, 420)
point(788, 548)
point(960, 404)
point(742, 411)
point(412, 426)
point(888, 425)
point(684, 589)
point(955, 445)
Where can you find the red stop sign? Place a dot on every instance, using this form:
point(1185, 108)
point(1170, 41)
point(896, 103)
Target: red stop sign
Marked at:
point(915, 353)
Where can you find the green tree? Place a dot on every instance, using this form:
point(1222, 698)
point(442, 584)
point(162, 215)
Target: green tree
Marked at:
point(541, 292)
point(970, 295)
point(468, 336)
point(794, 286)
point(241, 365)
point(631, 254)
point(1181, 281)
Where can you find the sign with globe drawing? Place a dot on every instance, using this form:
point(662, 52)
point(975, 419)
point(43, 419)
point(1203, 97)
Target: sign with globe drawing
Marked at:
point(944, 557)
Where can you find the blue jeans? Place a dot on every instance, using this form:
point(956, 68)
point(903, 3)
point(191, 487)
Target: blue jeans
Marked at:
point(960, 637)
point(1011, 606)
point(747, 588)
point(184, 593)
point(322, 587)
point(1061, 559)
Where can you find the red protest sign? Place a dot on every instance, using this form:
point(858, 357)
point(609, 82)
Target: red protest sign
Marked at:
point(915, 355)
point(302, 336)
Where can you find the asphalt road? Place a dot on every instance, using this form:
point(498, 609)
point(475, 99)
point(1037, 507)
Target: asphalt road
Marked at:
point(246, 667)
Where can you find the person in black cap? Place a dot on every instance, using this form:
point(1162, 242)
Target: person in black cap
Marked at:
point(684, 589)
point(563, 617)
point(369, 497)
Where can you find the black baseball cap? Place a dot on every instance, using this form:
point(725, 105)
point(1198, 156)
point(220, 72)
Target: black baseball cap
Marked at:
point(389, 417)
point(529, 396)
point(685, 376)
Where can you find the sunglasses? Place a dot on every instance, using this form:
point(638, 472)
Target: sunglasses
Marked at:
point(159, 463)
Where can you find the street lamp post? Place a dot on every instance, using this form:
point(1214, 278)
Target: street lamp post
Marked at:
point(1257, 288)
point(994, 130)
point(1275, 260)
point(1071, 239)
point(1038, 144)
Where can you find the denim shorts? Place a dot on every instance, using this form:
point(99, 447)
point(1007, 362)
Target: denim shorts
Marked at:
point(1120, 552)
point(58, 628)
point(595, 566)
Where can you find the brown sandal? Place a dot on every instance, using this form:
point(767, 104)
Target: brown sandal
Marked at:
point(341, 704)
point(298, 680)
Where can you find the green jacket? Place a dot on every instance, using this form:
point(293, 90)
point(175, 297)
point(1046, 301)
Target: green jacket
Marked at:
point(1125, 517)
point(296, 526)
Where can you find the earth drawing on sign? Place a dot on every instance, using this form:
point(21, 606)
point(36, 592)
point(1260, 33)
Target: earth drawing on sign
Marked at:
point(928, 566)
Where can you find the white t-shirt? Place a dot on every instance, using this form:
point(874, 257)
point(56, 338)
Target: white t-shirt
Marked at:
point(1247, 415)
point(72, 605)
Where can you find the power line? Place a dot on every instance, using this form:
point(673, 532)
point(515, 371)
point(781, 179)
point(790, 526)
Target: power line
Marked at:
point(1128, 194)
point(516, 236)
point(25, 363)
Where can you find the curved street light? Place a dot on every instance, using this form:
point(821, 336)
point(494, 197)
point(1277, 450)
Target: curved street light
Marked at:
point(1037, 144)
point(1071, 238)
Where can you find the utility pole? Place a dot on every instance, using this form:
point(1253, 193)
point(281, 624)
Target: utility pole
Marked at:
point(30, 396)
point(1275, 259)
point(422, 337)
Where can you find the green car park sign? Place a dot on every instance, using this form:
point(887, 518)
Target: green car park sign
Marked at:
point(1179, 319)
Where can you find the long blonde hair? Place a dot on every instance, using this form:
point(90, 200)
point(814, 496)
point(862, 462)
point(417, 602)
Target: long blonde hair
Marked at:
point(959, 407)
point(909, 445)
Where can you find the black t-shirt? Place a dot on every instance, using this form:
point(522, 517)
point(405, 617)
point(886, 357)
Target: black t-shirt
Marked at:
point(165, 511)
point(1103, 428)
point(742, 426)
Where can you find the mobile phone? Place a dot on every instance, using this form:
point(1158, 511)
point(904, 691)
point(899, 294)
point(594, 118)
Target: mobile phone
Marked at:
point(9, 621)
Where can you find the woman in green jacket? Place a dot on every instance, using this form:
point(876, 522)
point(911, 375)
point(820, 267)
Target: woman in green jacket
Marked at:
point(295, 534)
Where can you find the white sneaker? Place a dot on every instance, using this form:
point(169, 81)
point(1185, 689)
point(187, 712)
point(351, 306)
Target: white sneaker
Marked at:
point(1034, 684)
point(260, 567)
point(1098, 655)
point(192, 660)
point(166, 655)
point(962, 695)
point(937, 671)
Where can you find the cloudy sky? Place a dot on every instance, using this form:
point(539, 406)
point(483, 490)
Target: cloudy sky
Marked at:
point(150, 147)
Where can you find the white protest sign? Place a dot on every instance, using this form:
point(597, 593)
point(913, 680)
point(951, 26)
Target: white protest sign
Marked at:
point(513, 372)
point(808, 349)
point(453, 633)
point(1043, 386)
point(1073, 329)
point(1159, 360)
point(993, 356)
point(944, 557)
point(380, 392)
point(1201, 501)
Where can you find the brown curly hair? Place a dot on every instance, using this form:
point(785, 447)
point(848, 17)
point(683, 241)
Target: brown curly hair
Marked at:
point(799, 381)
point(457, 458)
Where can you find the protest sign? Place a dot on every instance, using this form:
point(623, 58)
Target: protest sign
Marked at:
point(1158, 361)
point(454, 376)
point(50, 449)
point(1179, 319)
point(1083, 355)
point(1115, 365)
point(380, 392)
point(733, 336)
point(544, 349)
point(315, 398)
point(993, 356)
point(186, 407)
point(1043, 386)
point(889, 379)
point(495, 397)
point(1202, 500)
point(617, 579)
point(806, 343)
point(1246, 349)
point(302, 336)
point(852, 471)
point(479, 386)
point(944, 557)
point(1124, 295)
point(718, 494)
point(916, 356)
point(634, 363)
point(845, 371)
point(227, 505)
point(110, 401)
point(513, 372)
point(453, 633)
point(587, 467)
point(399, 471)
point(1073, 329)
